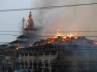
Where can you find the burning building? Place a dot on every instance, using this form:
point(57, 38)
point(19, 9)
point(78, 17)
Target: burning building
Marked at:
point(29, 33)
point(59, 53)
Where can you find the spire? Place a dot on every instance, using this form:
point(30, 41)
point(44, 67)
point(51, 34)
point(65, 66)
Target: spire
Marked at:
point(30, 14)
point(27, 24)
point(23, 25)
point(30, 21)
point(23, 21)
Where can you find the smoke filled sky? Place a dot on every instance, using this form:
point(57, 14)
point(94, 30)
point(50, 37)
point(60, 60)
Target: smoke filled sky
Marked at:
point(64, 19)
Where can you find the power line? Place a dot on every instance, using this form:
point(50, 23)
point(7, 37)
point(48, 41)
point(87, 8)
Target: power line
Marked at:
point(49, 7)
point(10, 33)
point(54, 31)
point(48, 35)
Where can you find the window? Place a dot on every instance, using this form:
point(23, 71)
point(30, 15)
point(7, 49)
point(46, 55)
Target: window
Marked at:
point(47, 53)
point(53, 52)
point(30, 54)
point(46, 63)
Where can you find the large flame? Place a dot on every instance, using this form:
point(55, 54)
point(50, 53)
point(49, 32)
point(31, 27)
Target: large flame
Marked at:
point(59, 34)
point(70, 35)
point(63, 37)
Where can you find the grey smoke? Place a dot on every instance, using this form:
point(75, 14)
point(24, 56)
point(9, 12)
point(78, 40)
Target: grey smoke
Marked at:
point(67, 19)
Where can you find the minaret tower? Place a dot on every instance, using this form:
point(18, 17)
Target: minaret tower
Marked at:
point(28, 36)
point(28, 24)
point(23, 25)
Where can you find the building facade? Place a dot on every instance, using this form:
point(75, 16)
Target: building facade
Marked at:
point(55, 54)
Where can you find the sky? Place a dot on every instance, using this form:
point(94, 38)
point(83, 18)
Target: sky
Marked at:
point(64, 19)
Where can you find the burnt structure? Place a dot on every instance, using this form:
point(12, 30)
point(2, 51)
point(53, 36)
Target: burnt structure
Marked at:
point(55, 54)
point(68, 56)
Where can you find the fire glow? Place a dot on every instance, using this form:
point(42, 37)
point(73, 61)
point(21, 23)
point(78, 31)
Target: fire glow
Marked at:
point(63, 37)
point(69, 35)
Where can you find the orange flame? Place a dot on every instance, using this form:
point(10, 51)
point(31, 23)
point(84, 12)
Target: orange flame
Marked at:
point(69, 35)
point(64, 37)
